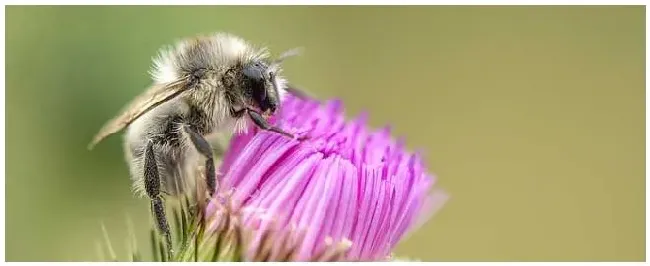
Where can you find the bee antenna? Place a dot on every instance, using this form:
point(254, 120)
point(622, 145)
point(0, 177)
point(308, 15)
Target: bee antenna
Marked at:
point(289, 53)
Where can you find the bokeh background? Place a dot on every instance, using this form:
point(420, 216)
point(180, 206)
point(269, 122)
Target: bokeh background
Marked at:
point(532, 117)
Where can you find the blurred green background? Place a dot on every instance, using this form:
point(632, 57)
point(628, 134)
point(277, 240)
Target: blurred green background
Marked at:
point(532, 117)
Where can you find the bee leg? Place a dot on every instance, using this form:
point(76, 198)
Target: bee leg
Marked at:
point(152, 187)
point(204, 149)
point(263, 124)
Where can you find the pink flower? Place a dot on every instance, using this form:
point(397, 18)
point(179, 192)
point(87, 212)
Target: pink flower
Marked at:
point(343, 184)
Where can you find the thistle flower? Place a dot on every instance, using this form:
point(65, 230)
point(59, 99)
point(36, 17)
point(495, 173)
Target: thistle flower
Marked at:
point(342, 186)
point(343, 192)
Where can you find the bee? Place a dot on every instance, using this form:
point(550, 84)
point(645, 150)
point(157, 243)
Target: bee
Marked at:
point(201, 86)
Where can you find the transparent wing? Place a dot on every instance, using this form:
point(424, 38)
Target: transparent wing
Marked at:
point(152, 97)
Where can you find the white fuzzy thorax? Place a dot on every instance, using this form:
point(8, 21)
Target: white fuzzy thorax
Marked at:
point(225, 49)
point(216, 51)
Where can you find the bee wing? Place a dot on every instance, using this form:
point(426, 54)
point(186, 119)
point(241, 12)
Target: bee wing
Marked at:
point(152, 97)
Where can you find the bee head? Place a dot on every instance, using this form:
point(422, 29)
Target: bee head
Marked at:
point(261, 86)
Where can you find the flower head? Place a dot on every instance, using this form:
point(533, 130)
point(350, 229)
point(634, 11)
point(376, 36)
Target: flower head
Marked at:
point(342, 184)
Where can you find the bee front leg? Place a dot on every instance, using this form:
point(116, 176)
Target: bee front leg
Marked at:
point(204, 149)
point(263, 124)
point(152, 187)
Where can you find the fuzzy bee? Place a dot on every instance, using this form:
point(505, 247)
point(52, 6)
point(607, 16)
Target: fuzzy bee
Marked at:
point(202, 85)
